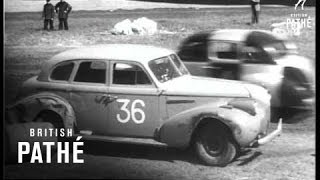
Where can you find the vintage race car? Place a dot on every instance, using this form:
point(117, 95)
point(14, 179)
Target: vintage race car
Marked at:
point(144, 94)
point(256, 56)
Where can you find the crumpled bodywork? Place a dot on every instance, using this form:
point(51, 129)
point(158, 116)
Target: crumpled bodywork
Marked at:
point(27, 109)
point(245, 128)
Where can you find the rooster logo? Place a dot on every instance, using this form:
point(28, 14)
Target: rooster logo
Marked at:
point(302, 4)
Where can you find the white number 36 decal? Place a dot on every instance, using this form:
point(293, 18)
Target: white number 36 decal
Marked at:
point(133, 113)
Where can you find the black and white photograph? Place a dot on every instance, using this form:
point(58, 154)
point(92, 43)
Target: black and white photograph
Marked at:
point(159, 89)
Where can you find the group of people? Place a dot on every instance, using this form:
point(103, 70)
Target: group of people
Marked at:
point(62, 8)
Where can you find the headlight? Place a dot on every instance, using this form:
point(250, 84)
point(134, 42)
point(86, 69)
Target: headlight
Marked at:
point(249, 106)
point(246, 105)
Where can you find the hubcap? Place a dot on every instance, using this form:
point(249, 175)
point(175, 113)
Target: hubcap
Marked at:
point(213, 145)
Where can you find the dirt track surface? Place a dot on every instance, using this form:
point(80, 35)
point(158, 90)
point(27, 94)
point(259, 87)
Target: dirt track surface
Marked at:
point(291, 156)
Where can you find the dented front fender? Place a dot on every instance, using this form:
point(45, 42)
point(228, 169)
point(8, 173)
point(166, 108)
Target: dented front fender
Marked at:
point(178, 130)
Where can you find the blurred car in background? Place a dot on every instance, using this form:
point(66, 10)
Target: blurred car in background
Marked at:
point(256, 56)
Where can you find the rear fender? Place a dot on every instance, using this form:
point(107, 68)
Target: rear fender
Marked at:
point(177, 131)
point(28, 108)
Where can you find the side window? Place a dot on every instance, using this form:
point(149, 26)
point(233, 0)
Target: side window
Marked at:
point(193, 51)
point(255, 55)
point(62, 72)
point(125, 73)
point(223, 50)
point(92, 72)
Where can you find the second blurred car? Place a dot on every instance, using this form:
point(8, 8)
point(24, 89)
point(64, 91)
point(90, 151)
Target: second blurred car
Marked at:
point(256, 56)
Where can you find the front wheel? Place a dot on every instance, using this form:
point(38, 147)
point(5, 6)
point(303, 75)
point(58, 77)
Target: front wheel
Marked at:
point(214, 146)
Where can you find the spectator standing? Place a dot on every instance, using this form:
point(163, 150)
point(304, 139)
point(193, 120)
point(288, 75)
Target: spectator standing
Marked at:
point(255, 8)
point(48, 15)
point(63, 9)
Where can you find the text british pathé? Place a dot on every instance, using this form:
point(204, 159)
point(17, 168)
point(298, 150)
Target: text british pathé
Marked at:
point(41, 152)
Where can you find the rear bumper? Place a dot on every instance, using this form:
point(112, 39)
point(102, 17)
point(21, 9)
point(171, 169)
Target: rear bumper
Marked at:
point(261, 141)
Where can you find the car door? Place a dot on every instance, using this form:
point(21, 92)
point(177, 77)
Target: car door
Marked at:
point(223, 56)
point(134, 110)
point(88, 96)
point(258, 67)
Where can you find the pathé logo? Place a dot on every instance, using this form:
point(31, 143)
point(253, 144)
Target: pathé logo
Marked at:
point(302, 4)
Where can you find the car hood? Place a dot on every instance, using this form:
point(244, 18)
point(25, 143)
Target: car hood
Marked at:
point(295, 61)
point(201, 86)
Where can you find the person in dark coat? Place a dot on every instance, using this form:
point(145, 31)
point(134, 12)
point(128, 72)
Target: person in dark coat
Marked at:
point(255, 8)
point(63, 9)
point(48, 15)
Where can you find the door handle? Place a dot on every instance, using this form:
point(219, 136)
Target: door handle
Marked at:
point(105, 95)
point(111, 98)
point(105, 99)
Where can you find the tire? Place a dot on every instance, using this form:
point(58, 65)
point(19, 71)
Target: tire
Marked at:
point(54, 119)
point(50, 117)
point(214, 146)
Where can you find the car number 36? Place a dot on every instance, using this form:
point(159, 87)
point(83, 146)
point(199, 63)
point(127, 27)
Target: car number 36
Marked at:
point(133, 112)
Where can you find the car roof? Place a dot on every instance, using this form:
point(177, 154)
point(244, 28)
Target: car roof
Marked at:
point(238, 34)
point(248, 36)
point(133, 52)
point(129, 52)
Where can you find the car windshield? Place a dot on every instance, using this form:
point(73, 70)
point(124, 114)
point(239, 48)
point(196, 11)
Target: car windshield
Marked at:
point(167, 68)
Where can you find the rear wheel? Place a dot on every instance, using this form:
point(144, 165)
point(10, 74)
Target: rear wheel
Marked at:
point(214, 146)
point(50, 117)
point(55, 120)
point(20, 132)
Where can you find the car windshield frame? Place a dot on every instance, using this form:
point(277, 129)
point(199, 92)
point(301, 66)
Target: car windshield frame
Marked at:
point(167, 68)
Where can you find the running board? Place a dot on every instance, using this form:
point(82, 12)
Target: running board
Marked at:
point(127, 140)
